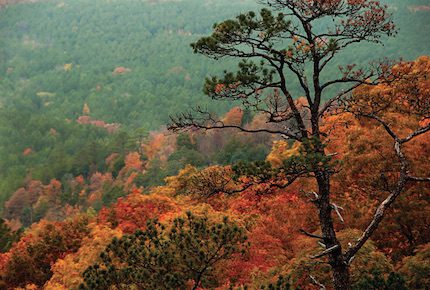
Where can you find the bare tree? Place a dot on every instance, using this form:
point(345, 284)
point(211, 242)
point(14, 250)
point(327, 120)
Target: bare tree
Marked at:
point(299, 40)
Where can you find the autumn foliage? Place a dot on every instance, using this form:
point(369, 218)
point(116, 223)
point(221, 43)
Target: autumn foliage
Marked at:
point(64, 240)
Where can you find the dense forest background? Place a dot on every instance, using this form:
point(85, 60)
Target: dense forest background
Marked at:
point(130, 65)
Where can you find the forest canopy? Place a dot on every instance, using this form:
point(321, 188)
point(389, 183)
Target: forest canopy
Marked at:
point(129, 62)
point(305, 170)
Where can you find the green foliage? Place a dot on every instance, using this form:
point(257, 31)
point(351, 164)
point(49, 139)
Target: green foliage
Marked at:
point(261, 170)
point(377, 281)
point(111, 194)
point(369, 268)
point(236, 151)
point(38, 92)
point(161, 258)
point(59, 56)
point(281, 284)
point(416, 268)
point(306, 161)
point(7, 236)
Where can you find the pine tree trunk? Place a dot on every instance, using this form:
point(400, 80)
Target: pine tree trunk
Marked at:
point(341, 279)
point(340, 269)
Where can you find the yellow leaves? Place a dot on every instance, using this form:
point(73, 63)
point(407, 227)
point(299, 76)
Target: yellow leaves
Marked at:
point(29, 287)
point(67, 272)
point(45, 94)
point(281, 150)
point(86, 109)
point(233, 117)
point(55, 286)
point(180, 181)
point(406, 92)
point(67, 66)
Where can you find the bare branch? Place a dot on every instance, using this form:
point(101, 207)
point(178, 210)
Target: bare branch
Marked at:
point(383, 123)
point(334, 101)
point(350, 260)
point(326, 252)
point(359, 81)
point(380, 211)
point(311, 235)
point(416, 133)
point(188, 121)
point(418, 179)
point(336, 209)
point(315, 281)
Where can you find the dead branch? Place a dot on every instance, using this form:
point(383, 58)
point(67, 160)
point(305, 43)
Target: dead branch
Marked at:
point(336, 209)
point(326, 252)
point(311, 235)
point(315, 281)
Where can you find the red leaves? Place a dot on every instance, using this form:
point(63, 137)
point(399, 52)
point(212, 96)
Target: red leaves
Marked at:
point(120, 70)
point(405, 90)
point(134, 211)
point(27, 151)
point(219, 88)
point(87, 120)
point(29, 260)
point(132, 161)
point(233, 117)
point(160, 146)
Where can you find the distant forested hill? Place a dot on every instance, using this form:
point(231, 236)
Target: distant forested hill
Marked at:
point(125, 62)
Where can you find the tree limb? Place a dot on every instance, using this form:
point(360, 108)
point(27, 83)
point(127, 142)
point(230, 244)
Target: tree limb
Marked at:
point(326, 252)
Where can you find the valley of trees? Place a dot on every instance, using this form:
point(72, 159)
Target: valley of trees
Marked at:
point(305, 168)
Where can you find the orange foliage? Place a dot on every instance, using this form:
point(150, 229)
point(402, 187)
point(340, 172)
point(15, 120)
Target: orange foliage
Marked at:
point(276, 220)
point(160, 146)
point(273, 219)
point(80, 180)
point(133, 212)
point(120, 70)
point(53, 188)
point(233, 117)
point(281, 150)
point(27, 151)
point(132, 161)
point(67, 272)
point(369, 163)
point(4, 260)
point(29, 260)
point(87, 120)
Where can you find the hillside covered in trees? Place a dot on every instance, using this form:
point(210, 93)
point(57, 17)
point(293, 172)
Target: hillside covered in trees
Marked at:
point(305, 170)
point(130, 64)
